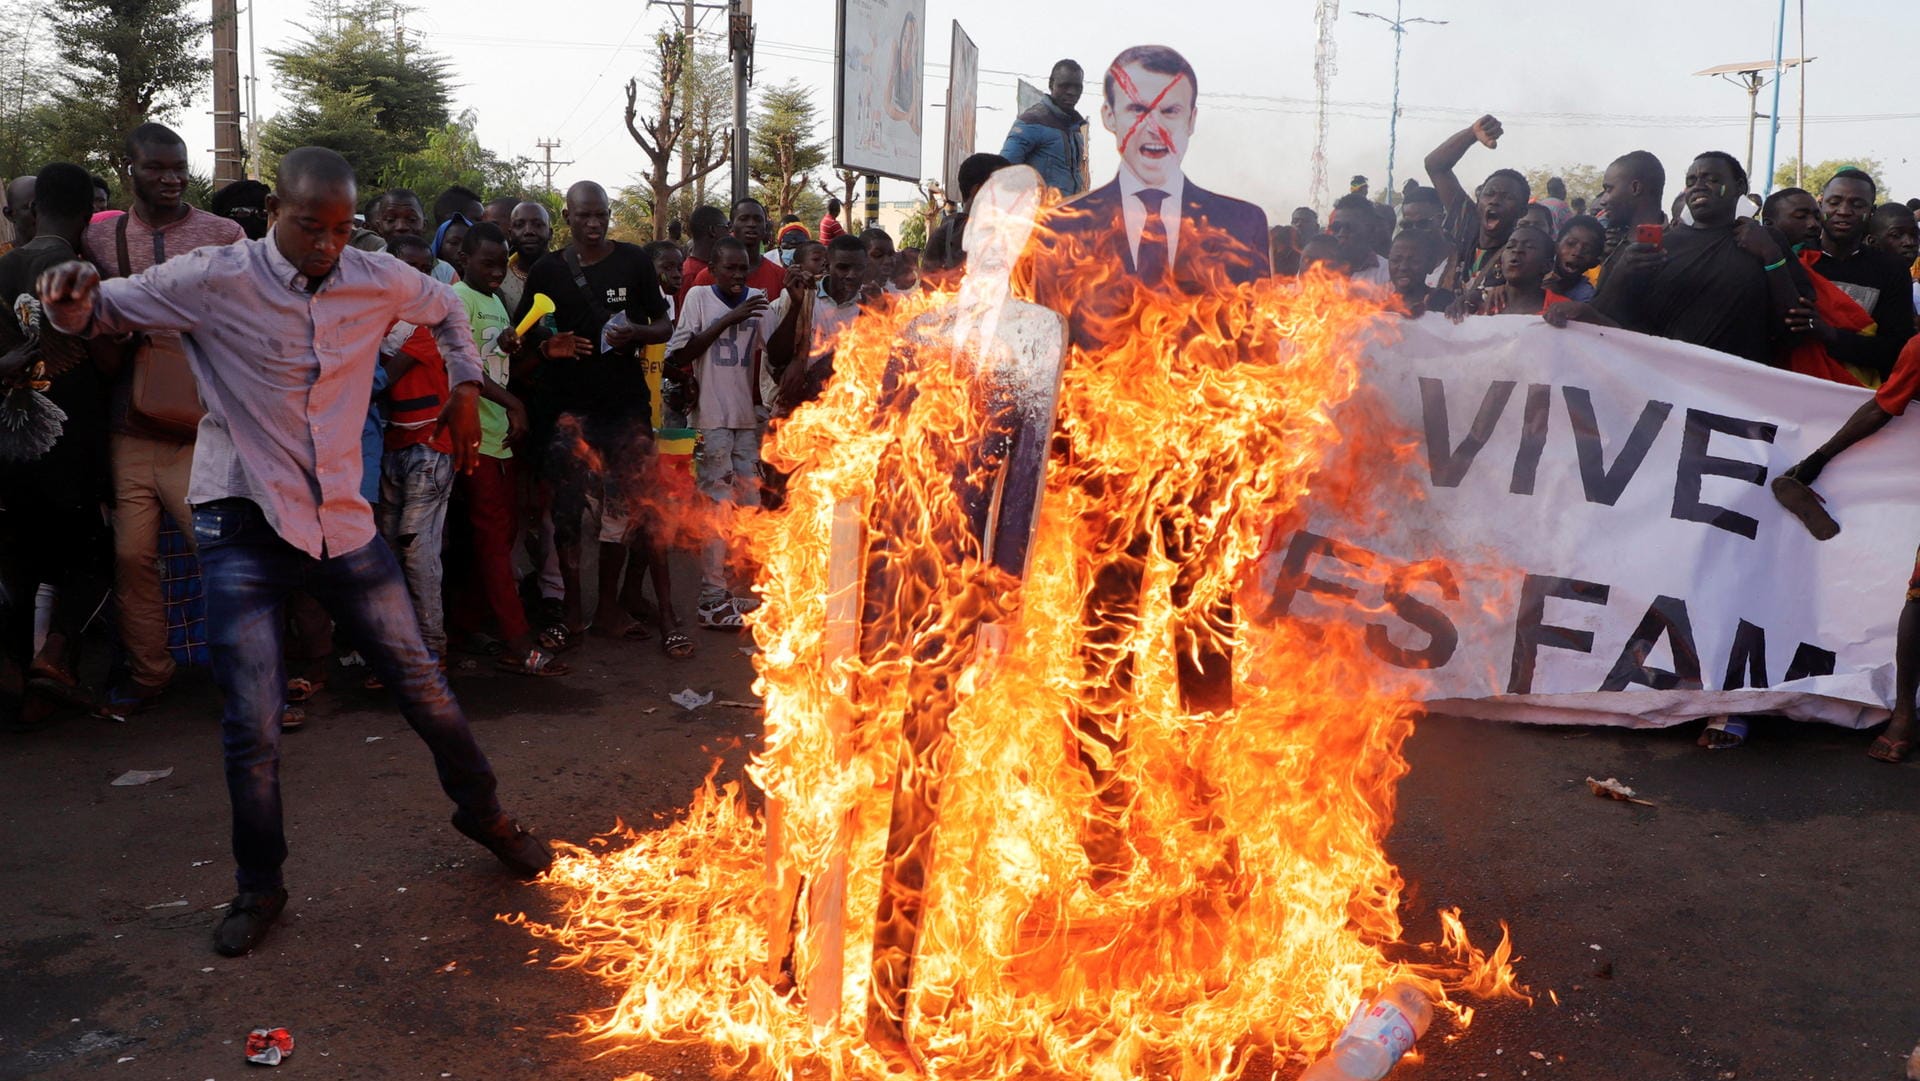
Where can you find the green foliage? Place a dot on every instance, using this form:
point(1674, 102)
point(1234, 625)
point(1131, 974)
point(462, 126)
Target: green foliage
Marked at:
point(785, 146)
point(913, 232)
point(453, 155)
point(1817, 174)
point(632, 215)
point(121, 63)
point(1583, 181)
point(364, 90)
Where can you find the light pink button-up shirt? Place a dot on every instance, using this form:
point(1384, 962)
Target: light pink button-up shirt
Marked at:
point(285, 373)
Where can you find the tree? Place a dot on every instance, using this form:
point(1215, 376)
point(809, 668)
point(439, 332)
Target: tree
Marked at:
point(27, 114)
point(786, 148)
point(1583, 181)
point(122, 63)
point(913, 232)
point(362, 89)
point(1815, 176)
point(849, 183)
point(453, 155)
point(677, 97)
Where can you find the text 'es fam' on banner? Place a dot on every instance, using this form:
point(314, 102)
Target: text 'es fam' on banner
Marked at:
point(1587, 535)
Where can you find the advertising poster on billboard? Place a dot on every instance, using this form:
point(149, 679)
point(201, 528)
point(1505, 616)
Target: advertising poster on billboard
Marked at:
point(963, 101)
point(878, 100)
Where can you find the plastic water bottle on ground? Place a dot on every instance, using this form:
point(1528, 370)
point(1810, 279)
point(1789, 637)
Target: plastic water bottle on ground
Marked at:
point(1381, 1031)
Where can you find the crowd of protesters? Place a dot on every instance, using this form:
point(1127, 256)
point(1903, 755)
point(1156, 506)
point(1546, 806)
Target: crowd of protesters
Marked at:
point(543, 404)
point(592, 351)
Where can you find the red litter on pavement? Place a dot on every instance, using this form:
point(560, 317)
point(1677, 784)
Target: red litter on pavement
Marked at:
point(268, 1046)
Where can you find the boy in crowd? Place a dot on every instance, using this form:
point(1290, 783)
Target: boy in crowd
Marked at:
point(416, 472)
point(1524, 263)
point(1582, 244)
point(723, 330)
point(835, 303)
point(489, 491)
point(1412, 257)
point(906, 272)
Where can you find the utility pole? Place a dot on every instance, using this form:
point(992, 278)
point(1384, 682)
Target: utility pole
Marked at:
point(1399, 27)
point(253, 97)
point(740, 41)
point(228, 157)
point(548, 165)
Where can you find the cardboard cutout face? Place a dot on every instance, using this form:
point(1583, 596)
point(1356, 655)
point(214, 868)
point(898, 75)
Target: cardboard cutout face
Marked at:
point(1152, 118)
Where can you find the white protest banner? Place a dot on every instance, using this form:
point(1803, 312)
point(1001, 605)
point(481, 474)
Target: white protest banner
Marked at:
point(1604, 546)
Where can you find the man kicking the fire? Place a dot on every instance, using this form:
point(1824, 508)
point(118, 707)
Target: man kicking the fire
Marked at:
point(1793, 490)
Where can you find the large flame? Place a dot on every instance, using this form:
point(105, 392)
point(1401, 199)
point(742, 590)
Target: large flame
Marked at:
point(1237, 897)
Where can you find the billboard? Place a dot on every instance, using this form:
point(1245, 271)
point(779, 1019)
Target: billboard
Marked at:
point(878, 99)
point(963, 100)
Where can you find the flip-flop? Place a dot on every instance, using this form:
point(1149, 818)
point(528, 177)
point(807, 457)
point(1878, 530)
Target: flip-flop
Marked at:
point(1890, 750)
point(301, 689)
point(677, 644)
point(1732, 726)
point(1805, 504)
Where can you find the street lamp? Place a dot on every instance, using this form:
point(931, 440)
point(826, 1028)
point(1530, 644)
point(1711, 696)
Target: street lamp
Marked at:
point(1753, 76)
point(1399, 27)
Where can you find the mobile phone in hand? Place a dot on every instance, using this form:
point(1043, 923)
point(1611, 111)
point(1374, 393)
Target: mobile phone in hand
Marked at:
point(1649, 234)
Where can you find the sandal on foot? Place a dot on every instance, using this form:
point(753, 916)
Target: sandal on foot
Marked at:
point(537, 662)
point(301, 689)
point(557, 638)
point(720, 614)
point(1805, 504)
point(1735, 728)
point(1890, 750)
point(292, 717)
point(677, 644)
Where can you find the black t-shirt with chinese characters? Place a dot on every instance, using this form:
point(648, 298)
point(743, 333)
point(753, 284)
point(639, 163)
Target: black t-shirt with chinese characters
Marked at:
point(75, 469)
point(605, 385)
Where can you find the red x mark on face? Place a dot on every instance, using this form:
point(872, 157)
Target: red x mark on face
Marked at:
point(1151, 109)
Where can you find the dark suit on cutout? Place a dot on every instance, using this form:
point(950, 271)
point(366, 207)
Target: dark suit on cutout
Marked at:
point(1223, 241)
point(1222, 246)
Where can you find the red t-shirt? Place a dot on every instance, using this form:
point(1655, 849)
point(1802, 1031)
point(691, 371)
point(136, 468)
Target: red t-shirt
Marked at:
point(769, 277)
point(416, 398)
point(1904, 382)
point(830, 227)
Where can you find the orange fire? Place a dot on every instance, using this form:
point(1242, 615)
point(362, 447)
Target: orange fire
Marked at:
point(1118, 884)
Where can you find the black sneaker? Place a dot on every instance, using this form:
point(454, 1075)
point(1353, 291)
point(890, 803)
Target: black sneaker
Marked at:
point(524, 854)
point(246, 922)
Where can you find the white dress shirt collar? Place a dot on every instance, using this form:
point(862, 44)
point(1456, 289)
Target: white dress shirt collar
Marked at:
point(1135, 212)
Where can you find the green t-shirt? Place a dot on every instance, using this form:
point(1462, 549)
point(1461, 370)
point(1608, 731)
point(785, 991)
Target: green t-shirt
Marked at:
point(487, 315)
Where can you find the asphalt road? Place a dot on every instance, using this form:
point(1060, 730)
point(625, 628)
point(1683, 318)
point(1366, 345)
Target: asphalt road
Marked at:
point(1757, 923)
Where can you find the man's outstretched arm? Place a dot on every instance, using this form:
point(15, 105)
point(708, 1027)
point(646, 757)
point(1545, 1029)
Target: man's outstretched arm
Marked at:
point(1441, 162)
point(1866, 420)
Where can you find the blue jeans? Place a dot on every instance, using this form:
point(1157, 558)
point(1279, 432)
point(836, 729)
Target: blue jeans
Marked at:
point(415, 484)
point(249, 572)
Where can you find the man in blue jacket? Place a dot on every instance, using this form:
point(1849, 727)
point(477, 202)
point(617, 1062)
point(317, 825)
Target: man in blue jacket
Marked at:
point(1051, 136)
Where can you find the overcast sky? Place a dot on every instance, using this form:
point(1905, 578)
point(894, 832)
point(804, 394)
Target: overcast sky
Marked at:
point(1568, 91)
